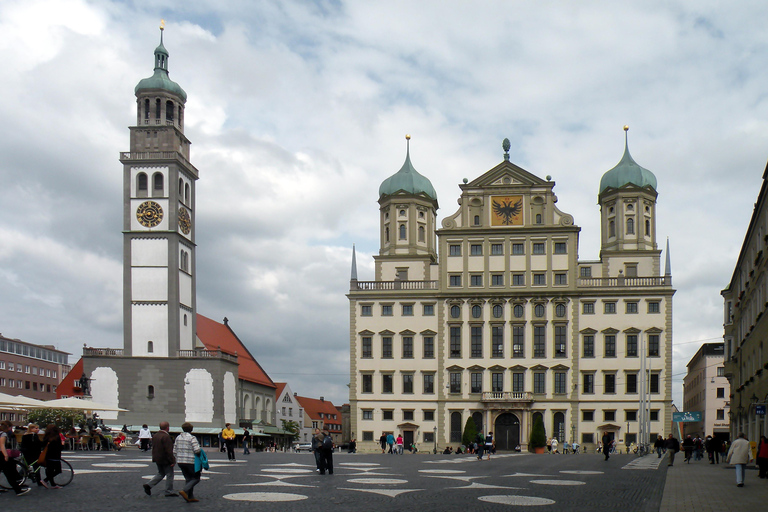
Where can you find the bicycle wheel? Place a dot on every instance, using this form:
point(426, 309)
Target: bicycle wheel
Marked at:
point(67, 474)
point(21, 470)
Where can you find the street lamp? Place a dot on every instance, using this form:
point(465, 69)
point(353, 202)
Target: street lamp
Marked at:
point(434, 438)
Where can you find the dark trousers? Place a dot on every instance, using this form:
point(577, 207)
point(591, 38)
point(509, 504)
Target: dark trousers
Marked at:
point(191, 478)
point(326, 462)
point(9, 469)
point(144, 444)
point(52, 468)
point(480, 451)
point(318, 460)
point(762, 464)
point(230, 448)
point(672, 457)
point(606, 451)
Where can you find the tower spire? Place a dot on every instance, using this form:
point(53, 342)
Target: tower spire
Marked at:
point(668, 263)
point(353, 276)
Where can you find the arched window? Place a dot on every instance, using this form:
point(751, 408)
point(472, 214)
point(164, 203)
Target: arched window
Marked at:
point(647, 228)
point(185, 319)
point(179, 118)
point(456, 427)
point(150, 392)
point(630, 226)
point(158, 107)
point(477, 220)
point(478, 419)
point(181, 188)
point(157, 184)
point(421, 234)
point(150, 347)
point(146, 111)
point(477, 311)
point(186, 193)
point(538, 218)
point(558, 429)
point(611, 229)
point(386, 235)
point(169, 112)
point(141, 184)
point(402, 231)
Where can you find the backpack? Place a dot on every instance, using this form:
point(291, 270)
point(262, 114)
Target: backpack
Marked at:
point(327, 444)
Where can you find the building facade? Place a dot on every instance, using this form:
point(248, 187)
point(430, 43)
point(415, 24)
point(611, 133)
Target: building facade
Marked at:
point(289, 409)
point(746, 327)
point(705, 390)
point(493, 317)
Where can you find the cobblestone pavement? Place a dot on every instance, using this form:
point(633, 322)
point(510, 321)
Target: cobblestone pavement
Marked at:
point(106, 481)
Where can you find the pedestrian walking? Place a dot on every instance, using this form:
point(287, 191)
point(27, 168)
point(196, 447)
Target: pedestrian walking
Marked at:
point(326, 454)
point(7, 464)
point(390, 443)
point(688, 446)
point(554, 445)
point(673, 446)
point(607, 445)
point(480, 443)
point(383, 442)
point(31, 447)
point(52, 445)
point(184, 450)
point(489, 444)
point(659, 445)
point(162, 456)
point(317, 444)
point(762, 457)
point(739, 455)
point(399, 444)
point(144, 437)
point(228, 435)
point(246, 442)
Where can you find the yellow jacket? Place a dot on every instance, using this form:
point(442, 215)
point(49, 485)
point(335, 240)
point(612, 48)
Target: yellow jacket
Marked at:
point(228, 433)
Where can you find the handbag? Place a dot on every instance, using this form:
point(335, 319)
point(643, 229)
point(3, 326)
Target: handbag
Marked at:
point(41, 458)
point(201, 461)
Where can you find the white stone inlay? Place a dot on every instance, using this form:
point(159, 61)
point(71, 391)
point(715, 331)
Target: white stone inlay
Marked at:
point(392, 493)
point(385, 481)
point(558, 482)
point(520, 501)
point(264, 496)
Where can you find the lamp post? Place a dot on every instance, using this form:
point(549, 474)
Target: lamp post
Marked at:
point(434, 438)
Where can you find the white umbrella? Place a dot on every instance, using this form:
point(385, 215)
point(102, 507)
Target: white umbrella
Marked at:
point(80, 404)
point(20, 402)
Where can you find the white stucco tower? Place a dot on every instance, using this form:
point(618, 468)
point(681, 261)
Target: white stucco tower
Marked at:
point(158, 221)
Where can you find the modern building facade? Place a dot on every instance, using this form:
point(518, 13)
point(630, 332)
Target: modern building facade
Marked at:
point(705, 390)
point(746, 327)
point(492, 316)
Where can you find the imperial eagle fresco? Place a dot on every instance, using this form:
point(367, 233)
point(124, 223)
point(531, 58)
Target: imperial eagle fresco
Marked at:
point(507, 211)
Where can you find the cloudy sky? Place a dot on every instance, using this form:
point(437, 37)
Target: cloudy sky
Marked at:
point(297, 111)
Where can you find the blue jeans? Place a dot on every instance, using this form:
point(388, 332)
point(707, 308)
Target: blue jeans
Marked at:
point(740, 473)
point(659, 450)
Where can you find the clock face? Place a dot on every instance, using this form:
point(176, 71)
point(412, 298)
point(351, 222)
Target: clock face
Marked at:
point(149, 214)
point(185, 223)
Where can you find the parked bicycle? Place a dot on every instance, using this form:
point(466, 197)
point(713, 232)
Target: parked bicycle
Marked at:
point(26, 471)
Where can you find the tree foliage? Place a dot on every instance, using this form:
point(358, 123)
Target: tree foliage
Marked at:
point(470, 432)
point(291, 426)
point(538, 433)
point(62, 418)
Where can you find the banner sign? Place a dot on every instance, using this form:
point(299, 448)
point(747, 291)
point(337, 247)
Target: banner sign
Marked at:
point(686, 417)
point(760, 410)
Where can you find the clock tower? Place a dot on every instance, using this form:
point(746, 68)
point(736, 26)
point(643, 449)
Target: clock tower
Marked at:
point(159, 300)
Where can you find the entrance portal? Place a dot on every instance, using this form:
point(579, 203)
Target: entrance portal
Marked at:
point(507, 432)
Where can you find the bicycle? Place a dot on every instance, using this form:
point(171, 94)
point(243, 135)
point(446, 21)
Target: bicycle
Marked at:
point(25, 471)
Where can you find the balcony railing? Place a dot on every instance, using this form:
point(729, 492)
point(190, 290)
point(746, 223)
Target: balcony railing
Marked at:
point(596, 282)
point(393, 285)
point(506, 396)
point(212, 354)
point(153, 155)
point(90, 351)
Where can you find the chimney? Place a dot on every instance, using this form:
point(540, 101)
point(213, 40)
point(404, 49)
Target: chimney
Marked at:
point(322, 399)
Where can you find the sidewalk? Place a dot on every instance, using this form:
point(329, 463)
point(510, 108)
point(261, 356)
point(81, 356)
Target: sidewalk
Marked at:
point(704, 487)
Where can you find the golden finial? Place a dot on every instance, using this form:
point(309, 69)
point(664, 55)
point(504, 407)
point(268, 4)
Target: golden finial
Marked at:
point(162, 24)
point(407, 137)
point(626, 127)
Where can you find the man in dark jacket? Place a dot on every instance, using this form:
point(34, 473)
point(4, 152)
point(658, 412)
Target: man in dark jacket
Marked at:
point(607, 441)
point(673, 446)
point(162, 455)
point(317, 445)
point(688, 446)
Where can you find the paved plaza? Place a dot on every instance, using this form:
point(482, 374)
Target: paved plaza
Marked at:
point(106, 481)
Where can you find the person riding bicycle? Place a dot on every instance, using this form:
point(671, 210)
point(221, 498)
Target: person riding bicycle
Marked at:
point(31, 446)
point(52, 442)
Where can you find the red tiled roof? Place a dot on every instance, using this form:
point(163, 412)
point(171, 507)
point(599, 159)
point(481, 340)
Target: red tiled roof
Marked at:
point(280, 388)
point(216, 336)
point(313, 407)
point(67, 385)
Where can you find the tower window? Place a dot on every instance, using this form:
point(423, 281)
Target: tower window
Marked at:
point(157, 184)
point(402, 231)
point(181, 188)
point(141, 184)
point(611, 229)
point(150, 392)
point(386, 235)
point(186, 193)
point(179, 118)
point(185, 319)
point(477, 220)
point(422, 234)
point(169, 112)
point(630, 226)
point(150, 347)
point(647, 228)
point(158, 106)
point(146, 110)
point(538, 218)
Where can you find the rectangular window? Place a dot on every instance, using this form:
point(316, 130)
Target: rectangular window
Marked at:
point(429, 347)
point(518, 341)
point(407, 309)
point(721, 371)
point(497, 382)
point(429, 415)
point(367, 383)
point(560, 382)
point(407, 347)
point(387, 414)
point(429, 310)
point(587, 438)
point(476, 334)
point(653, 345)
point(588, 308)
point(386, 310)
point(518, 279)
point(386, 347)
point(585, 271)
point(539, 341)
point(654, 383)
point(630, 415)
point(588, 383)
point(720, 392)
point(653, 307)
point(407, 383)
point(538, 248)
point(407, 415)
point(518, 382)
point(587, 415)
point(721, 414)
point(560, 341)
point(631, 383)
point(609, 415)
point(631, 307)
point(455, 382)
point(429, 437)
point(429, 384)
point(539, 279)
point(561, 278)
point(476, 249)
point(497, 249)
point(589, 345)
point(368, 414)
point(631, 345)
point(366, 310)
point(454, 280)
point(386, 383)
point(561, 248)
point(518, 248)
point(609, 383)
point(497, 341)
point(367, 347)
point(476, 280)
point(454, 250)
point(610, 345)
point(655, 415)
point(455, 341)
point(539, 384)
point(497, 279)
point(609, 308)
point(476, 381)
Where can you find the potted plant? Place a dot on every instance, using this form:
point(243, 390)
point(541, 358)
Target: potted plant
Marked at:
point(538, 439)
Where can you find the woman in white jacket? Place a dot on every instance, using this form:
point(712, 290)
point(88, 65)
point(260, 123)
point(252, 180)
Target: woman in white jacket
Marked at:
point(739, 455)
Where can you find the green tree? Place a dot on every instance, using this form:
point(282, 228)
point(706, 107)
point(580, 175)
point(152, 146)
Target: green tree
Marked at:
point(291, 426)
point(470, 432)
point(62, 418)
point(538, 433)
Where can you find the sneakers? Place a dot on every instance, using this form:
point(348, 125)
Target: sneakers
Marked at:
point(147, 489)
point(737, 485)
point(24, 491)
